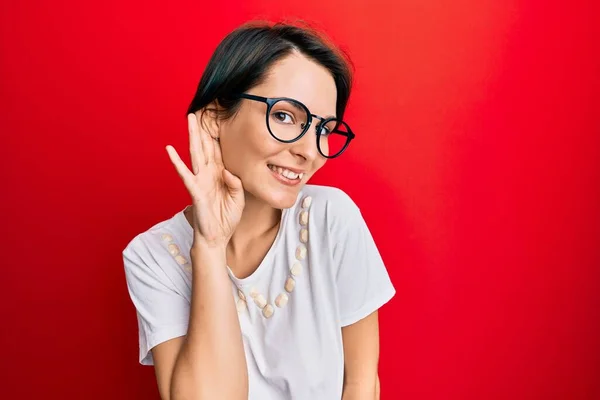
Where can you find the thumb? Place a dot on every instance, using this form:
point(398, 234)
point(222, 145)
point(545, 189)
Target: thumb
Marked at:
point(233, 183)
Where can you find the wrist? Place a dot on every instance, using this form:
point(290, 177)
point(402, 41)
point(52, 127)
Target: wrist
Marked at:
point(203, 253)
point(202, 242)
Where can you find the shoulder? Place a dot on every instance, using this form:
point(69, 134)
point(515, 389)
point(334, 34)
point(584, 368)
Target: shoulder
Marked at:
point(160, 245)
point(331, 209)
point(329, 201)
point(329, 196)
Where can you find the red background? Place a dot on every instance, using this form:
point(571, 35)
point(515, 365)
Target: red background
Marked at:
point(476, 167)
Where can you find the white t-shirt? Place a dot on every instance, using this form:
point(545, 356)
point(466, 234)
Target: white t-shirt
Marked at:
point(323, 272)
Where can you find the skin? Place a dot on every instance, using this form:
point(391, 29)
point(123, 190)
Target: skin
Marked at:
point(251, 203)
point(248, 147)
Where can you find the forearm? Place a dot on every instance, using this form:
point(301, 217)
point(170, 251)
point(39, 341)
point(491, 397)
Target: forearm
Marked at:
point(361, 359)
point(361, 391)
point(211, 363)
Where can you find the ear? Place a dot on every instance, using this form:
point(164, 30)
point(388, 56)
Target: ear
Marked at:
point(208, 118)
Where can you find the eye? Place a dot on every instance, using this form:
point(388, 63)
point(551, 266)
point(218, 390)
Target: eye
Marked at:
point(324, 130)
point(283, 117)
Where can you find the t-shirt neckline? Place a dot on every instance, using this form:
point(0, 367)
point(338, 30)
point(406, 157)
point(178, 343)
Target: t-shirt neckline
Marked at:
point(265, 264)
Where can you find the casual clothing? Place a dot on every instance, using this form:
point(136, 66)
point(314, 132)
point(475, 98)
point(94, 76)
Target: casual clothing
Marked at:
point(322, 272)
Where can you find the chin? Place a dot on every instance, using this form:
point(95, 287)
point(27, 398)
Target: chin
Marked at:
point(276, 197)
point(280, 199)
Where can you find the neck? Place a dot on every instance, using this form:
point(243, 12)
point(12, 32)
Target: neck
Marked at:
point(258, 219)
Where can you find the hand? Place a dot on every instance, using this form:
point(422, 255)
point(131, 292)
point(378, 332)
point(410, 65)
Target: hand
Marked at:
point(217, 194)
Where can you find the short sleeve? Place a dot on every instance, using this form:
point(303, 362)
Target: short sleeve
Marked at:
point(363, 283)
point(162, 312)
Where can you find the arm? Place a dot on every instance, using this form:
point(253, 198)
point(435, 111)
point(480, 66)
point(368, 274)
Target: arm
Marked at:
point(209, 362)
point(361, 355)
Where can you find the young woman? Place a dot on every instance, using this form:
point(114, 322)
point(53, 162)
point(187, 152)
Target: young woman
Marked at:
point(265, 287)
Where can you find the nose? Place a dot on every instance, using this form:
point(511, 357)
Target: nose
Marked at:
point(306, 146)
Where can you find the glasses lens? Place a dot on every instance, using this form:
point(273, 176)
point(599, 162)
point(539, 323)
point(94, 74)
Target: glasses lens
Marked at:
point(333, 138)
point(287, 120)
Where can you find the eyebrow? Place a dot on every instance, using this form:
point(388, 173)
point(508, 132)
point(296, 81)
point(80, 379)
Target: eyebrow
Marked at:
point(326, 117)
point(299, 108)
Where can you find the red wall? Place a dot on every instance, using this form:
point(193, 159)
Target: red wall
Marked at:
point(476, 166)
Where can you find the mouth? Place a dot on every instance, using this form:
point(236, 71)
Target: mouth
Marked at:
point(285, 175)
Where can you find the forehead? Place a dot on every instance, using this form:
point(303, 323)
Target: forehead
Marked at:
point(302, 79)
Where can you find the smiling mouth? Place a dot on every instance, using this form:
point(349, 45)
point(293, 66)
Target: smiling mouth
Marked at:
point(286, 173)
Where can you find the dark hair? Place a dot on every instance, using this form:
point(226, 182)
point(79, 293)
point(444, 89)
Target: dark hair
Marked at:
point(243, 58)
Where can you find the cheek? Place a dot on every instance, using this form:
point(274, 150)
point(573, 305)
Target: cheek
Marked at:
point(245, 142)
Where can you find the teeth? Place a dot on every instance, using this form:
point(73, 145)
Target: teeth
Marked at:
point(286, 172)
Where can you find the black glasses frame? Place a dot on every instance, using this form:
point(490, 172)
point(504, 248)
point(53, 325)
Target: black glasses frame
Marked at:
point(270, 101)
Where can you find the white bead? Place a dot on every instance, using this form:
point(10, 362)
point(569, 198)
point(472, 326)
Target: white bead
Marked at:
point(306, 202)
point(253, 292)
point(241, 305)
point(304, 235)
point(303, 217)
point(301, 252)
point(290, 284)
point(173, 249)
point(166, 237)
point(241, 295)
point(181, 260)
point(260, 300)
point(268, 311)
point(296, 268)
point(281, 300)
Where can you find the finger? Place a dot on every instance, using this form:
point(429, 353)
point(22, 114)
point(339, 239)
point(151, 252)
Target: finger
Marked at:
point(184, 173)
point(196, 151)
point(207, 142)
point(233, 182)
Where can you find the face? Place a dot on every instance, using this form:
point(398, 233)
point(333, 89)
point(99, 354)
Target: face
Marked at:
point(258, 159)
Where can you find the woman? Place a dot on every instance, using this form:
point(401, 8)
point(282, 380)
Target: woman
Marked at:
point(265, 287)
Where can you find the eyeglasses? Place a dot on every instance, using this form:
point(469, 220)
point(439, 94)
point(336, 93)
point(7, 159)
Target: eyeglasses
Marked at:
point(288, 120)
